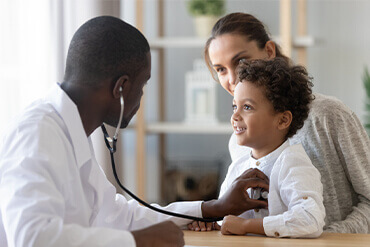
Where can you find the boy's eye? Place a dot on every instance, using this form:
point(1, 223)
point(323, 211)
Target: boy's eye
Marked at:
point(219, 70)
point(234, 108)
point(247, 107)
point(242, 60)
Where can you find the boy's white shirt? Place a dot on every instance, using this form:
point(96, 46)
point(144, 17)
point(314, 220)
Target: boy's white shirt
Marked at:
point(293, 178)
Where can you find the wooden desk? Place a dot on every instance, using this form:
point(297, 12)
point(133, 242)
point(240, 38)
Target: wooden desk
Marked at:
point(215, 238)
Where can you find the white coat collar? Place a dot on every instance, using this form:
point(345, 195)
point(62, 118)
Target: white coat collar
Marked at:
point(68, 111)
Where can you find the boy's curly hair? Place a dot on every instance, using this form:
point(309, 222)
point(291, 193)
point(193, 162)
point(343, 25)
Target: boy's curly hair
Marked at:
point(287, 87)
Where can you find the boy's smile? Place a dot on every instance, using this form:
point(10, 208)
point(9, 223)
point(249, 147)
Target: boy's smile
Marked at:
point(238, 130)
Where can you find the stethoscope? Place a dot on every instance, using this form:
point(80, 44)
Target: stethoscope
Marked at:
point(111, 145)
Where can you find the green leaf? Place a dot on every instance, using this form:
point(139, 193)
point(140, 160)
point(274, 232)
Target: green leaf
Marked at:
point(366, 81)
point(206, 7)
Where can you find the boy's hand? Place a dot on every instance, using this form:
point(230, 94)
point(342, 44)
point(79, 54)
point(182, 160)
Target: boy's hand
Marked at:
point(162, 234)
point(203, 226)
point(233, 225)
point(239, 226)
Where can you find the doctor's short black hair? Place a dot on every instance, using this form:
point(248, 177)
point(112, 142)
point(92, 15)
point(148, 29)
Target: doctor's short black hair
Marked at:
point(287, 87)
point(105, 47)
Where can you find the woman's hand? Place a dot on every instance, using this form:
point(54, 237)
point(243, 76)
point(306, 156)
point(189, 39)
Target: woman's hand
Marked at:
point(203, 226)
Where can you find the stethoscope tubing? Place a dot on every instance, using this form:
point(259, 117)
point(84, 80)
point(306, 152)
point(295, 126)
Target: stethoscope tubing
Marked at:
point(111, 145)
point(112, 150)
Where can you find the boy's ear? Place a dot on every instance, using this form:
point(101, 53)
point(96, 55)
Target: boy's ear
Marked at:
point(285, 119)
point(122, 84)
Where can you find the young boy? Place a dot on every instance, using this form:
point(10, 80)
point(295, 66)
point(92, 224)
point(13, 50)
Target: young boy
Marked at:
point(270, 104)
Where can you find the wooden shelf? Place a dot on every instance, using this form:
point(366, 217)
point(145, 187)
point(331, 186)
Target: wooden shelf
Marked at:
point(298, 41)
point(195, 42)
point(187, 128)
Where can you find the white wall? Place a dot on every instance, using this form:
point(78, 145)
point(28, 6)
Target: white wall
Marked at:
point(337, 62)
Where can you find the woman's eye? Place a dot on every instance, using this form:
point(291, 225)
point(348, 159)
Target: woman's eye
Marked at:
point(242, 60)
point(220, 70)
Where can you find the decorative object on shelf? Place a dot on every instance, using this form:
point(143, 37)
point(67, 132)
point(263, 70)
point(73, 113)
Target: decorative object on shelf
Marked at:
point(366, 81)
point(205, 13)
point(200, 95)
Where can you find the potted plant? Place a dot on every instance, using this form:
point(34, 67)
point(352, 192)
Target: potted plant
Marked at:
point(205, 13)
point(366, 81)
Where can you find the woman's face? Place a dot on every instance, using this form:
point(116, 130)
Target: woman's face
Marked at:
point(225, 52)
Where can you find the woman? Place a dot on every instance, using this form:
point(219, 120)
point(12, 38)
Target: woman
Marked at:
point(332, 136)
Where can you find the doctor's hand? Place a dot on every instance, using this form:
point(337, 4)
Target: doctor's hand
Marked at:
point(236, 199)
point(162, 234)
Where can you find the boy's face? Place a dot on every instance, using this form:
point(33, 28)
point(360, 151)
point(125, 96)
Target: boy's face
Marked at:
point(254, 120)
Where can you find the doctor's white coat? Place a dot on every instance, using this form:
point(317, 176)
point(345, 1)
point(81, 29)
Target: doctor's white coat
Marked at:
point(54, 193)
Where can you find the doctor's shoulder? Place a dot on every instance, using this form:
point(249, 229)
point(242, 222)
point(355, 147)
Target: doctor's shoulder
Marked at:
point(36, 126)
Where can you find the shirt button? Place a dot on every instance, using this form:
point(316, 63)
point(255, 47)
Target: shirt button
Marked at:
point(277, 234)
point(305, 197)
point(258, 163)
point(256, 210)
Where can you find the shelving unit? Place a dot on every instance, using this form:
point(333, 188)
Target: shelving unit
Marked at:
point(183, 128)
point(161, 128)
point(195, 42)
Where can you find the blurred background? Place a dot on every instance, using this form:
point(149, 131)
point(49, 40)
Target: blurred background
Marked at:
point(163, 156)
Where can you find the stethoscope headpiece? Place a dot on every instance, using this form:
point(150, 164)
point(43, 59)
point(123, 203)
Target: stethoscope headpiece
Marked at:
point(109, 142)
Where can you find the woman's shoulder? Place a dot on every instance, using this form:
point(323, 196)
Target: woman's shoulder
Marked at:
point(330, 114)
point(324, 105)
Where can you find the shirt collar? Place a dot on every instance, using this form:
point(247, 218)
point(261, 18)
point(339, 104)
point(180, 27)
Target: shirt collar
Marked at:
point(271, 157)
point(68, 111)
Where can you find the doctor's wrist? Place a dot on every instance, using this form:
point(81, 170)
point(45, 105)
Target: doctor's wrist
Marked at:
point(211, 209)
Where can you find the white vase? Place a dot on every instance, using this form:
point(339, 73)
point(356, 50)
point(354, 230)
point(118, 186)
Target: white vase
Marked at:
point(203, 25)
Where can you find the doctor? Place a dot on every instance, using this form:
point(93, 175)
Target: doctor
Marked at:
point(53, 192)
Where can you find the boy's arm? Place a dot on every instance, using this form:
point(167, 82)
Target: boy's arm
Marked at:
point(295, 190)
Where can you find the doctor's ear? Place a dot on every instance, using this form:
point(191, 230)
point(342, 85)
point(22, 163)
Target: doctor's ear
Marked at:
point(121, 86)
